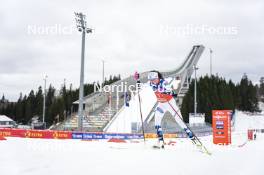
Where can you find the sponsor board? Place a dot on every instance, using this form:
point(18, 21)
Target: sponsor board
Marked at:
point(221, 126)
point(97, 136)
point(77, 135)
point(5, 132)
point(153, 135)
point(44, 134)
point(50, 134)
point(61, 135)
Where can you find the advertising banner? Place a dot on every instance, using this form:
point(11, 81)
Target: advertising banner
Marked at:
point(52, 134)
point(5, 132)
point(99, 135)
point(61, 135)
point(45, 134)
point(221, 127)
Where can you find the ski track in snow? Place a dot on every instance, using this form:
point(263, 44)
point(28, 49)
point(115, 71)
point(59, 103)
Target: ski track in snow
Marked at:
point(22, 156)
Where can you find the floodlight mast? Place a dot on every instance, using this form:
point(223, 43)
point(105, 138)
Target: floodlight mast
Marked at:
point(211, 66)
point(195, 90)
point(81, 26)
point(44, 101)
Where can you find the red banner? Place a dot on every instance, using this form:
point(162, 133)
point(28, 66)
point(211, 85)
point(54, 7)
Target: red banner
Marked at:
point(44, 134)
point(61, 135)
point(5, 132)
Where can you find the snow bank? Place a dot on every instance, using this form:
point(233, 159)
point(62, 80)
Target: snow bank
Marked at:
point(261, 107)
point(245, 122)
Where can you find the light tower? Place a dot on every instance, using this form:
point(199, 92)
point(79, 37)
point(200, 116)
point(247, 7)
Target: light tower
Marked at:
point(81, 26)
point(195, 91)
point(211, 66)
point(103, 79)
point(44, 101)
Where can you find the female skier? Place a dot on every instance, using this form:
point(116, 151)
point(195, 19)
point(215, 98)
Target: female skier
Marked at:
point(165, 90)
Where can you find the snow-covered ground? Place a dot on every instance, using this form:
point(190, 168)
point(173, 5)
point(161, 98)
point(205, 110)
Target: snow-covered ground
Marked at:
point(245, 122)
point(261, 107)
point(47, 157)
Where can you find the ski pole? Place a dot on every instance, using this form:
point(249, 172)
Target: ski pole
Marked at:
point(136, 77)
point(143, 129)
point(189, 128)
point(181, 119)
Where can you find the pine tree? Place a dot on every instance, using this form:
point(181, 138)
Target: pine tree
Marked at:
point(212, 93)
point(50, 99)
point(19, 113)
point(3, 100)
point(248, 94)
point(24, 101)
point(38, 103)
point(28, 111)
point(261, 89)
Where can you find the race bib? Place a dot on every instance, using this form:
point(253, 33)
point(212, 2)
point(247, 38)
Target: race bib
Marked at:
point(162, 98)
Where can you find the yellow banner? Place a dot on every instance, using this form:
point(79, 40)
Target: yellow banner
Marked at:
point(152, 135)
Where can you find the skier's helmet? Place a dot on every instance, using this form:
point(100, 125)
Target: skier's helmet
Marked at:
point(152, 75)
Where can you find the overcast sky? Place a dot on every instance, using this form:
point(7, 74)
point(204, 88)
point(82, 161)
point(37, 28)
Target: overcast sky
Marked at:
point(39, 38)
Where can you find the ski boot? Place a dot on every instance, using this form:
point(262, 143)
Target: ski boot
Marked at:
point(190, 135)
point(160, 138)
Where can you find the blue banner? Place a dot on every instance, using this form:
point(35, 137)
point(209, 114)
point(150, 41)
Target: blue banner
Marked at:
point(87, 136)
point(77, 135)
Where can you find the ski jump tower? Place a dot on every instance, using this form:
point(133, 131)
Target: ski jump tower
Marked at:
point(107, 111)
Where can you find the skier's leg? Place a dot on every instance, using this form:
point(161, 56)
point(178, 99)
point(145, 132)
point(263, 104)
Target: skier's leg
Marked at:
point(159, 113)
point(175, 111)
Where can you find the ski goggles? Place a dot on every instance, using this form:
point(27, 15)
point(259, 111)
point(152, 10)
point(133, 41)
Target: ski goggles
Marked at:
point(153, 75)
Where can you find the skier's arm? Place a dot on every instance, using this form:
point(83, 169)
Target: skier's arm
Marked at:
point(170, 89)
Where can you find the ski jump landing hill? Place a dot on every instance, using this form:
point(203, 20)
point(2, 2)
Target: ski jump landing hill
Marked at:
point(107, 111)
